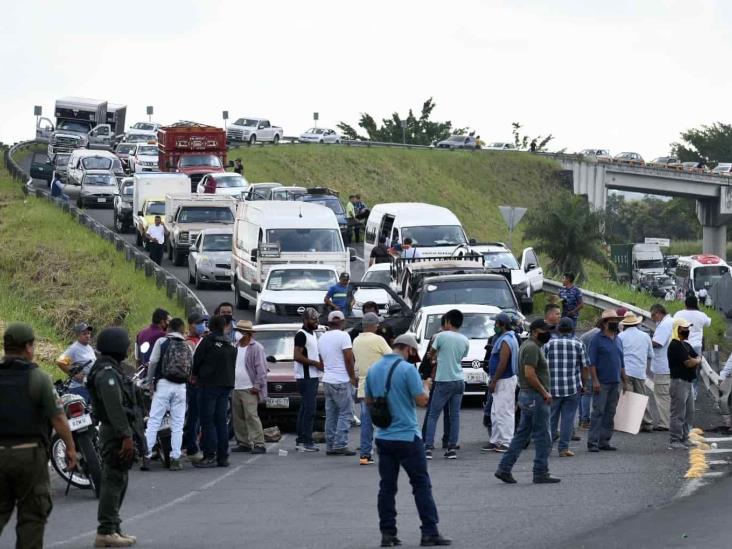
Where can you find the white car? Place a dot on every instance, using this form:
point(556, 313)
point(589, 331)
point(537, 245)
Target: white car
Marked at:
point(144, 158)
point(290, 288)
point(228, 183)
point(500, 146)
point(139, 136)
point(378, 272)
point(209, 258)
point(151, 127)
point(477, 327)
point(320, 135)
point(251, 130)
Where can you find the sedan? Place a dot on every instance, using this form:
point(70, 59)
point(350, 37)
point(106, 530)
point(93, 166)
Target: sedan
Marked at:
point(226, 183)
point(320, 135)
point(601, 155)
point(670, 162)
point(631, 158)
point(458, 142)
point(209, 259)
point(500, 146)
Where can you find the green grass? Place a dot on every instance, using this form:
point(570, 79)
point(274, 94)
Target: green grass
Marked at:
point(55, 273)
point(472, 185)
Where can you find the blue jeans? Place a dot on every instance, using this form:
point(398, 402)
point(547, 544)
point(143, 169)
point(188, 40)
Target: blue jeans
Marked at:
point(604, 405)
point(367, 431)
point(534, 425)
point(394, 454)
point(191, 426)
point(564, 408)
point(338, 414)
point(585, 407)
point(446, 393)
point(213, 403)
point(445, 420)
point(308, 389)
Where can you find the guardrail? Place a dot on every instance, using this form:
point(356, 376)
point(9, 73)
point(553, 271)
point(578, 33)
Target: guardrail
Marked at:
point(174, 288)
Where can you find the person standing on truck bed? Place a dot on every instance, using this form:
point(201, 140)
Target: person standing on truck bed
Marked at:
point(238, 166)
point(571, 297)
point(336, 299)
point(155, 235)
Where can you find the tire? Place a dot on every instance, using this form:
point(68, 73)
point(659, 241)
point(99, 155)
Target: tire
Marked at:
point(199, 283)
point(177, 257)
point(321, 142)
point(276, 139)
point(79, 203)
point(58, 461)
point(241, 303)
point(170, 251)
point(118, 226)
point(92, 465)
point(252, 139)
point(191, 278)
point(138, 238)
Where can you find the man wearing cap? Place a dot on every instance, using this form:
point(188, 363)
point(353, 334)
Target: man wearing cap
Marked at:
point(637, 352)
point(502, 370)
point(368, 348)
point(659, 365)
point(683, 361)
point(535, 403)
point(336, 354)
point(30, 408)
point(336, 298)
point(399, 444)
point(196, 330)
point(308, 371)
point(607, 369)
point(79, 352)
point(250, 388)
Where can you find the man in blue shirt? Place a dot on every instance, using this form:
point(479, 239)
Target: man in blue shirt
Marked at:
point(607, 367)
point(399, 444)
point(571, 297)
point(337, 297)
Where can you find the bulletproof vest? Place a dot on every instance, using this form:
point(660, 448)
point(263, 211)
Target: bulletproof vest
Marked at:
point(129, 400)
point(20, 417)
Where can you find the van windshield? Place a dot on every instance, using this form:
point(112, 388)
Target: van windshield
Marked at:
point(478, 292)
point(707, 276)
point(650, 263)
point(435, 235)
point(156, 208)
point(198, 214)
point(306, 240)
point(96, 163)
point(301, 279)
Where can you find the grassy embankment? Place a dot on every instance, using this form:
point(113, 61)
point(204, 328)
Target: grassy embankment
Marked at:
point(55, 273)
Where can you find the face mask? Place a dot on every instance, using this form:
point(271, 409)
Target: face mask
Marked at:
point(201, 328)
point(497, 330)
point(613, 327)
point(544, 338)
point(684, 334)
point(228, 318)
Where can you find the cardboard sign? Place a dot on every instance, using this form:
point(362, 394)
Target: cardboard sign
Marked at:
point(629, 414)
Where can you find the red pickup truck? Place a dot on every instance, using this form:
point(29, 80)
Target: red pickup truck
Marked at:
point(192, 149)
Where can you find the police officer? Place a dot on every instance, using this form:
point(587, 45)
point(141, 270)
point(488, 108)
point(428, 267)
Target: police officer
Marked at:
point(28, 408)
point(115, 404)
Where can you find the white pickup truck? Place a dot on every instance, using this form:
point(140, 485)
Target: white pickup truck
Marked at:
point(251, 130)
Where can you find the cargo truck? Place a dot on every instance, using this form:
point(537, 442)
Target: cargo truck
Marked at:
point(192, 149)
point(148, 198)
point(637, 263)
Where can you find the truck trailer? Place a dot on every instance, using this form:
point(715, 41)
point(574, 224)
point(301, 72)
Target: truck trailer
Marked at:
point(192, 149)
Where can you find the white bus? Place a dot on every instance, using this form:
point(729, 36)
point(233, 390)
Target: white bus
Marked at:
point(699, 271)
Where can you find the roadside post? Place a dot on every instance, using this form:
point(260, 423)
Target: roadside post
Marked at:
point(38, 112)
point(149, 113)
point(511, 215)
point(404, 132)
point(225, 116)
point(316, 116)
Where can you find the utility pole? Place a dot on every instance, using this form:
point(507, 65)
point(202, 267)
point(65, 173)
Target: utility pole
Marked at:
point(404, 132)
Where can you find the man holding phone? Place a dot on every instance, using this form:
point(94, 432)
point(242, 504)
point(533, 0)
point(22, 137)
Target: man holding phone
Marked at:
point(155, 236)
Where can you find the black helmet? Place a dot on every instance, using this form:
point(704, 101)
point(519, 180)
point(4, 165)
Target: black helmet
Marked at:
point(113, 342)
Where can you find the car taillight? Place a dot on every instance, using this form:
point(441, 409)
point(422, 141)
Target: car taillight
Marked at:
point(75, 409)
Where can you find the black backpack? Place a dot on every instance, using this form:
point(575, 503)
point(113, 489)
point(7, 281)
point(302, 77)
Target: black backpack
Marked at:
point(379, 406)
point(176, 360)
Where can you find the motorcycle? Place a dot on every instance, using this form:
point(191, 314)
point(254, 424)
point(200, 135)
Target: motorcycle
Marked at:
point(88, 472)
point(144, 392)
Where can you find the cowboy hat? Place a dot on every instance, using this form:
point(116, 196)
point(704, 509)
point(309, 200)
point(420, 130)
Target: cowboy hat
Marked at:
point(631, 320)
point(244, 326)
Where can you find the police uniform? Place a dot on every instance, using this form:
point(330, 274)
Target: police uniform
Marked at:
point(27, 403)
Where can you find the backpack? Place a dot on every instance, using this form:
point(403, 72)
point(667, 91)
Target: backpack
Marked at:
point(176, 360)
point(379, 406)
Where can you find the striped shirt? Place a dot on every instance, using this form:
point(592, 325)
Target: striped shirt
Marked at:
point(566, 357)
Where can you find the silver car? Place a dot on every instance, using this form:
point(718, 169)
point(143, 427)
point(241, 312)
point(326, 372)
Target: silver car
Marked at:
point(209, 259)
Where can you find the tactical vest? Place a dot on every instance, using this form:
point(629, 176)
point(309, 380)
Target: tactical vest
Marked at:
point(129, 398)
point(20, 418)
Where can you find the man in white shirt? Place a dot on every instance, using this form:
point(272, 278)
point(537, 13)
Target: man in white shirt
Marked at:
point(698, 321)
point(659, 365)
point(79, 352)
point(250, 388)
point(155, 236)
point(336, 354)
point(637, 351)
point(409, 251)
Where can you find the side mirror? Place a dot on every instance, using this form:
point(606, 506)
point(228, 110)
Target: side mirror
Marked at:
point(530, 267)
point(254, 256)
point(271, 359)
point(472, 242)
point(256, 287)
point(139, 212)
point(394, 309)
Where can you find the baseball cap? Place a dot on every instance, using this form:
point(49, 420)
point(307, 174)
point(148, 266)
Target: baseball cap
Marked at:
point(503, 318)
point(369, 319)
point(82, 327)
point(539, 324)
point(18, 334)
point(334, 316)
point(565, 324)
point(682, 323)
point(196, 318)
point(344, 276)
point(406, 339)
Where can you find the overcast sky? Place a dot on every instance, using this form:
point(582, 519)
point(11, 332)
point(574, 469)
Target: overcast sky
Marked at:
point(623, 75)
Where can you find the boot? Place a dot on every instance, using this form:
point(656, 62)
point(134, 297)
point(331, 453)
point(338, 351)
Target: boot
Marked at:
point(112, 540)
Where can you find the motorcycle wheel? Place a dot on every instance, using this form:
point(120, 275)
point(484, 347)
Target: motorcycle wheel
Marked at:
point(58, 461)
point(90, 455)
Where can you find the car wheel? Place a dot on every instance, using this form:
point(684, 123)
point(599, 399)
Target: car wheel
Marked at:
point(79, 203)
point(252, 139)
point(199, 283)
point(177, 257)
point(241, 303)
point(191, 278)
point(276, 139)
point(138, 238)
point(321, 142)
point(170, 251)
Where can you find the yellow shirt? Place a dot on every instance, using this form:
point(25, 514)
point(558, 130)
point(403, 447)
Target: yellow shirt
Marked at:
point(367, 349)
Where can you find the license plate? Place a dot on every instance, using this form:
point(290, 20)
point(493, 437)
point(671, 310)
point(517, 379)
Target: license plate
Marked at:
point(283, 402)
point(475, 377)
point(101, 199)
point(76, 423)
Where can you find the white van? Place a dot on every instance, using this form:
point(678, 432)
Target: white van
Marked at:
point(269, 233)
point(83, 160)
point(434, 230)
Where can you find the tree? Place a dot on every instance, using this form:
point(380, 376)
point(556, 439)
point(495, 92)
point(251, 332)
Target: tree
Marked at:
point(633, 220)
point(569, 233)
point(419, 131)
point(523, 142)
point(711, 144)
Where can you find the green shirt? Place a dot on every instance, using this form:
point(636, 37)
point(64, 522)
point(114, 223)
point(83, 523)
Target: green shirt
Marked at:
point(451, 348)
point(530, 355)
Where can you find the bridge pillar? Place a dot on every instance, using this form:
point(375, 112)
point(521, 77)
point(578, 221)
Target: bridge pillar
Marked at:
point(588, 178)
point(714, 227)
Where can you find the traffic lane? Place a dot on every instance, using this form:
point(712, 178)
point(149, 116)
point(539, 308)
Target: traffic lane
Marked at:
point(313, 500)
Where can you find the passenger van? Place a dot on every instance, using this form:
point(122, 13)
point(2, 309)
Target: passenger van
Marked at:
point(83, 160)
point(434, 230)
point(269, 233)
point(699, 271)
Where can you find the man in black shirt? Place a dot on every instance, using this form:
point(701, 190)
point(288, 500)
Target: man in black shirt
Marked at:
point(238, 167)
point(380, 253)
point(682, 362)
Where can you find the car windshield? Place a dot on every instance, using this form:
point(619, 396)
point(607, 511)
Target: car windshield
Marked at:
point(156, 208)
point(74, 126)
point(497, 145)
point(707, 276)
point(435, 235)
point(317, 131)
point(205, 214)
point(459, 138)
point(478, 292)
point(99, 180)
point(722, 168)
point(61, 160)
point(193, 160)
point(301, 279)
point(475, 325)
point(96, 163)
point(125, 148)
point(306, 240)
point(382, 276)
point(500, 260)
point(277, 343)
point(650, 263)
point(229, 181)
point(138, 138)
point(217, 243)
point(144, 126)
point(151, 150)
point(246, 122)
point(332, 203)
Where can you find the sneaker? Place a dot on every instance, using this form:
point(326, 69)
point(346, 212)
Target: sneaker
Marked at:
point(205, 463)
point(390, 540)
point(175, 465)
point(224, 463)
point(112, 540)
point(676, 445)
point(584, 425)
point(500, 448)
point(566, 454)
point(646, 429)
point(198, 456)
point(660, 428)
point(355, 421)
point(366, 460)
point(593, 449)
point(505, 477)
point(608, 448)
point(145, 465)
point(310, 448)
point(546, 479)
point(433, 541)
point(575, 437)
point(259, 450)
point(428, 453)
point(341, 452)
point(242, 448)
point(487, 447)
point(451, 454)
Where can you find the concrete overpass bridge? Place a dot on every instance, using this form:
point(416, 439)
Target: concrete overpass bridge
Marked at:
point(713, 193)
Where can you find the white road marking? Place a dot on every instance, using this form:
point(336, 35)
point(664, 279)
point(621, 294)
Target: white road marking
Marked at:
point(718, 439)
point(718, 451)
point(718, 462)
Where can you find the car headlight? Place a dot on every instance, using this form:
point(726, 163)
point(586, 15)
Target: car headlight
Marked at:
point(205, 260)
point(268, 307)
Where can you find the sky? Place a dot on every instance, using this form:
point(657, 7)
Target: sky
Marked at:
point(622, 75)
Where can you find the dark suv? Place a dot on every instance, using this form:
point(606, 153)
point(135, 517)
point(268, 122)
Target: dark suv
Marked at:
point(123, 205)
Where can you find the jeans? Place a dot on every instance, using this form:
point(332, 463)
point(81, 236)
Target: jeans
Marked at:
point(445, 419)
point(308, 389)
point(682, 409)
point(448, 393)
point(168, 397)
point(212, 405)
point(503, 411)
point(338, 414)
point(394, 454)
point(534, 425)
point(190, 429)
point(604, 405)
point(156, 252)
point(244, 416)
point(367, 431)
point(564, 408)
